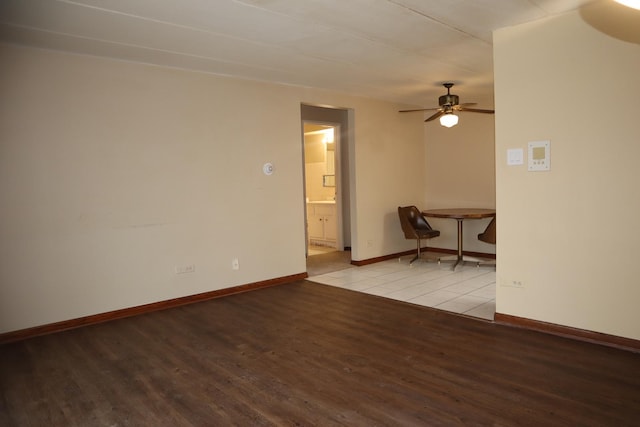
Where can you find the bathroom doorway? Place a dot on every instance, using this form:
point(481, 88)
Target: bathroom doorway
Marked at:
point(341, 120)
point(320, 142)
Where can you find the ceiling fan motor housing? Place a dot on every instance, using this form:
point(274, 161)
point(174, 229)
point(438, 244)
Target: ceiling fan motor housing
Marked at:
point(449, 99)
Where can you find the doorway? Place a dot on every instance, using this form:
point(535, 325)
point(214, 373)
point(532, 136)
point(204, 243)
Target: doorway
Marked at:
point(327, 180)
point(321, 182)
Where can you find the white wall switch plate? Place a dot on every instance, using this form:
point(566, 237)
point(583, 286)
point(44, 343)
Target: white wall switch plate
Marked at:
point(515, 156)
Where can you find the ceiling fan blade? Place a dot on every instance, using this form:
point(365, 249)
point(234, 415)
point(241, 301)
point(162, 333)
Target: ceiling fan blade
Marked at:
point(420, 109)
point(467, 104)
point(477, 110)
point(435, 116)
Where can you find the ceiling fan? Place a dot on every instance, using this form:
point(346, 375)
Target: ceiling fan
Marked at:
point(449, 103)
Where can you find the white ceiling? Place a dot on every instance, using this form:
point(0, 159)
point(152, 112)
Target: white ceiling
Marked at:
point(396, 50)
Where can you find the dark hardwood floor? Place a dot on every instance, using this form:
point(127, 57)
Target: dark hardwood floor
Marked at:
point(309, 354)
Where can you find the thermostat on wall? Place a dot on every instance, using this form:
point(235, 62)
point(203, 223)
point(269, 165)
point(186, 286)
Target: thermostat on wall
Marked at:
point(539, 155)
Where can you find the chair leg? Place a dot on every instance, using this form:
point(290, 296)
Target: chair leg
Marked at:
point(417, 253)
point(486, 262)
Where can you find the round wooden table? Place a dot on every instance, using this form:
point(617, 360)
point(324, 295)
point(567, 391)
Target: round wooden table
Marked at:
point(460, 214)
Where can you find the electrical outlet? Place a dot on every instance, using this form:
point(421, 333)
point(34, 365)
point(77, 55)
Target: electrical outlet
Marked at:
point(182, 269)
point(512, 283)
point(235, 264)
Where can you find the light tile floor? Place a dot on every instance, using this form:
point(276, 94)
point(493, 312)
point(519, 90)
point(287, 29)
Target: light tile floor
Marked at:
point(470, 290)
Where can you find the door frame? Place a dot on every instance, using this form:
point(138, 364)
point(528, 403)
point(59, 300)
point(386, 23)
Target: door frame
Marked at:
point(338, 177)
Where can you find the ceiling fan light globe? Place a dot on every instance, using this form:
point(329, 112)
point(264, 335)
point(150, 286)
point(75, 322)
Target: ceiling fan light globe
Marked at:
point(449, 120)
point(635, 4)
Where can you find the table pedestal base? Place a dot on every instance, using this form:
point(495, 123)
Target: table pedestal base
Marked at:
point(459, 214)
point(463, 259)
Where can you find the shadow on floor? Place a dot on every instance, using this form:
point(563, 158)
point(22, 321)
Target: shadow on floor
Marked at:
point(328, 262)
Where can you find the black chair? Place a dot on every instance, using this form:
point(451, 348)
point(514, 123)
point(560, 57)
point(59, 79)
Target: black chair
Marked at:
point(489, 236)
point(415, 226)
point(489, 233)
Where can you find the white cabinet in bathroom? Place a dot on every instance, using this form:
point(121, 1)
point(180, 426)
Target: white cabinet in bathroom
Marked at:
point(321, 223)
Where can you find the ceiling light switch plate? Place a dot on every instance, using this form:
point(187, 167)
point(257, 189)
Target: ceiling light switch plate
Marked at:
point(515, 156)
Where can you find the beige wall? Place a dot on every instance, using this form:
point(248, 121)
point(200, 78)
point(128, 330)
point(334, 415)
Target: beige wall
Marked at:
point(569, 234)
point(460, 172)
point(389, 172)
point(113, 173)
